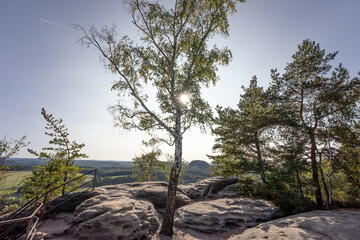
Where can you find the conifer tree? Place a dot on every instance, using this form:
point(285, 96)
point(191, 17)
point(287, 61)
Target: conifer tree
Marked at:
point(243, 134)
point(61, 155)
point(309, 90)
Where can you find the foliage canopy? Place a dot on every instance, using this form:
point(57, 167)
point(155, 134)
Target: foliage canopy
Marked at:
point(307, 116)
point(174, 58)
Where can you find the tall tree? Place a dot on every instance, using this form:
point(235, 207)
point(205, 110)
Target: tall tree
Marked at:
point(243, 134)
point(310, 90)
point(175, 59)
point(62, 150)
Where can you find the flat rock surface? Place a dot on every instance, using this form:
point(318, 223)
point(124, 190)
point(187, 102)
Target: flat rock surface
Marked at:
point(56, 225)
point(230, 191)
point(218, 215)
point(207, 188)
point(154, 192)
point(320, 225)
point(114, 218)
point(189, 234)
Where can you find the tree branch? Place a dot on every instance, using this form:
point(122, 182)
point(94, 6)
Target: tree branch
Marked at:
point(95, 43)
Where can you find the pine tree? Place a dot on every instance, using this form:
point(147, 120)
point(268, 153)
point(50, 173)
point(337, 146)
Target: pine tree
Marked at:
point(61, 155)
point(309, 90)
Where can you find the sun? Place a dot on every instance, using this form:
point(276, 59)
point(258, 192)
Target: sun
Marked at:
point(184, 99)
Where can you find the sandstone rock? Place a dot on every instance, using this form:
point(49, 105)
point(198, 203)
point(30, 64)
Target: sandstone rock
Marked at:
point(154, 192)
point(68, 202)
point(230, 191)
point(124, 211)
point(56, 226)
point(217, 215)
point(37, 236)
point(207, 188)
point(115, 218)
point(320, 225)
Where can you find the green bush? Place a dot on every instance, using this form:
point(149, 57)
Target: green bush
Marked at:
point(280, 193)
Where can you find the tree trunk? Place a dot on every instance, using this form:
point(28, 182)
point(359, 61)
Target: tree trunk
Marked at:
point(64, 187)
point(299, 183)
point(330, 190)
point(324, 182)
point(168, 221)
point(260, 163)
point(329, 176)
point(325, 187)
point(315, 174)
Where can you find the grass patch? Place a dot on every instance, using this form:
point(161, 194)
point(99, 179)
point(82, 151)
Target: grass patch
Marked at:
point(13, 180)
point(120, 176)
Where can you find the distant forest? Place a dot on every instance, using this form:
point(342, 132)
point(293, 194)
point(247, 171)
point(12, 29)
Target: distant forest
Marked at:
point(115, 172)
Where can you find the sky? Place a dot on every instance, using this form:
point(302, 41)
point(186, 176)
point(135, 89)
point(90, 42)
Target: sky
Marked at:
point(42, 65)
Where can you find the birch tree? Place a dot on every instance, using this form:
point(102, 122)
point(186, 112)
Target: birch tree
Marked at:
point(174, 58)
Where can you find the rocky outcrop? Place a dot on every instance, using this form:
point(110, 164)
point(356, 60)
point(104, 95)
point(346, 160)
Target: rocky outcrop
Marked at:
point(230, 191)
point(123, 211)
point(217, 215)
point(320, 225)
point(68, 202)
point(56, 226)
point(104, 217)
point(207, 188)
point(154, 192)
point(126, 211)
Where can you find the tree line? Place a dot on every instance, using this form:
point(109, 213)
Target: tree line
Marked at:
point(290, 141)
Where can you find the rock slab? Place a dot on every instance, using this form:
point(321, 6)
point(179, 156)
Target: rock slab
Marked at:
point(230, 191)
point(102, 217)
point(154, 192)
point(207, 188)
point(319, 225)
point(218, 215)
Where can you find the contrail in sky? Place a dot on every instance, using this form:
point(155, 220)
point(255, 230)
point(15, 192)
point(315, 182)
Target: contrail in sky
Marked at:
point(52, 23)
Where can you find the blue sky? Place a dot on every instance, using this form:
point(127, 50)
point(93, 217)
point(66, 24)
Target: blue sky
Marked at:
point(41, 65)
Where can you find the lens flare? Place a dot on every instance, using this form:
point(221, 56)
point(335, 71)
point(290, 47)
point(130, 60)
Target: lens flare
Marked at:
point(184, 99)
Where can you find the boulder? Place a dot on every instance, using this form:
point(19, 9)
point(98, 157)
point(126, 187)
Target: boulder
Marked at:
point(230, 191)
point(207, 188)
point(218, 215)
point(154, 192)
point(320, 225)
point(123, 211)
point(104, 217)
